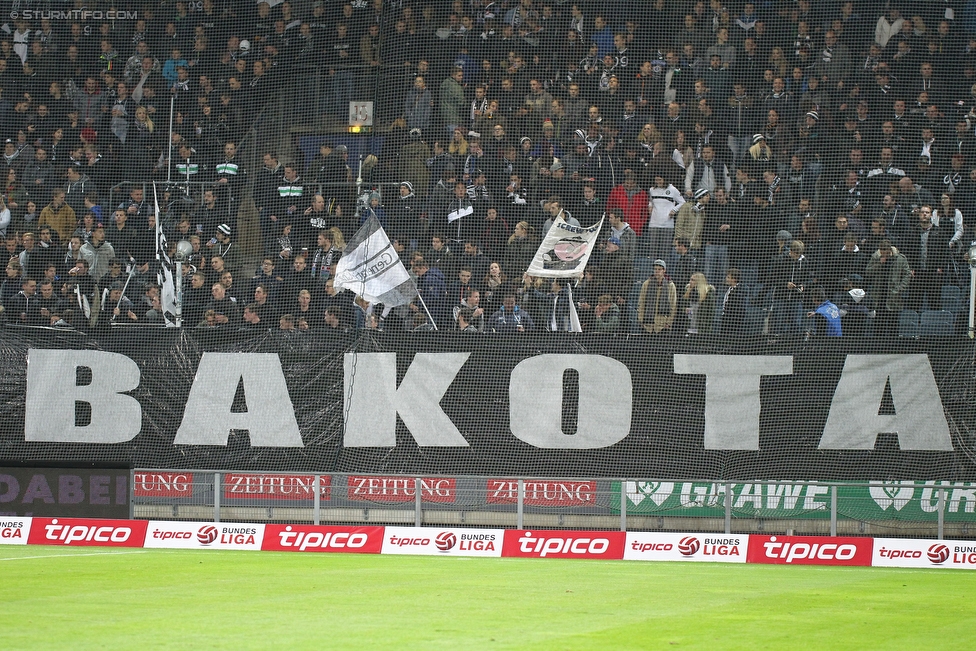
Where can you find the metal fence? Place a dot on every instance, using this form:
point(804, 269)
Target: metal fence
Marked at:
point(905, 509)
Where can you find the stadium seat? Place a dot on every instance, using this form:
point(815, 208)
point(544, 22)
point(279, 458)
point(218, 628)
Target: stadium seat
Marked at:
point(755, 320)
point(951, 292)
point(908, 324)
point(952, 304)
point(936, 323)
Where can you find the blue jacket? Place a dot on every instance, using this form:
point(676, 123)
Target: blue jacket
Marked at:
point(831, 315)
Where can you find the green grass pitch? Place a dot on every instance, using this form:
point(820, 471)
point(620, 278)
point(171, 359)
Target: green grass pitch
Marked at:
point(79, 598)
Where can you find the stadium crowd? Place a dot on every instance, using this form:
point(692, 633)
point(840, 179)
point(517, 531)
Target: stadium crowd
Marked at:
point(776, 167)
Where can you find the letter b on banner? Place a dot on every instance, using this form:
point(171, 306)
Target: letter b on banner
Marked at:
point(52, 393)
point(536, 401)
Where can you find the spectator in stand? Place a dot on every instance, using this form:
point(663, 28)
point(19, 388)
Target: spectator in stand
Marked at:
point(59, 216)
point(658, 301)
point(510, 318)
point(665, 201)
point(631, 201)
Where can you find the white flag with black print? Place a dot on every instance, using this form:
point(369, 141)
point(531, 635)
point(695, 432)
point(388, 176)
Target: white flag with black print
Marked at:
point(167, 282)
point(370, 267)
point(565, 250)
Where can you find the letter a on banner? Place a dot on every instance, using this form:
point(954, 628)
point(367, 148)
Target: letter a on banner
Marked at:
point(854, 422)
point(270, 419)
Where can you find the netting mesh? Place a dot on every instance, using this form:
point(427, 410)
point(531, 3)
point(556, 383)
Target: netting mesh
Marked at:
point(182, 179)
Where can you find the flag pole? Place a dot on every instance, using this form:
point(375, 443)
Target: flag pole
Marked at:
point(132, 272)
point(432, 322)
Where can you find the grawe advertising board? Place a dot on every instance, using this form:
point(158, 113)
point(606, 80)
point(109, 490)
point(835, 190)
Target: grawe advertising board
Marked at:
point(713, 548)
point(74, 492)
point(606, 545)
point(204, 535)
point(912, 501)
point(14, 531)
point(903, 552)
point(433, 541)
point(313, 538)
point(87, 532)
point(809, 550)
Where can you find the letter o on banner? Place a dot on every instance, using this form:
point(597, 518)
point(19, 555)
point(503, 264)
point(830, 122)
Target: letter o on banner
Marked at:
point(536, 401)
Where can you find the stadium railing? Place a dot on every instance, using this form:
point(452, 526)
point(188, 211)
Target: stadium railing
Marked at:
point(908, 509)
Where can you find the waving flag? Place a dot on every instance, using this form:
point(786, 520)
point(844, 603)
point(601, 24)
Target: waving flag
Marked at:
point(370, 267)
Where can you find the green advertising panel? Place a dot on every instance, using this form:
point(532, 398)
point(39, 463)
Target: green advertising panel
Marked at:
point(874, 501)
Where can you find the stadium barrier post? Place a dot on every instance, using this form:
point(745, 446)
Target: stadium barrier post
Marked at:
point(218, 483)
point(833, 510)
point(132, 493)
point(941, 531)
point(972, 292)
point(417, 514)
point(318, 501)
point(623, 505)
point(728, 507)
point(169, 151)
point(520, 508)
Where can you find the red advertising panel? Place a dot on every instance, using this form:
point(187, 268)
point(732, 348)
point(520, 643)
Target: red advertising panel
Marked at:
point(542, 493)
point(310, 538)
point(810, 550)
point(84, 532)
point(163, 484)
point(564, 544)
point(402, 489)
point(275, 487)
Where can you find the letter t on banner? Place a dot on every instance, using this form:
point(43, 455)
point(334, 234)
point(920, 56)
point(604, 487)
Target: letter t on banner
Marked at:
point(732, 395)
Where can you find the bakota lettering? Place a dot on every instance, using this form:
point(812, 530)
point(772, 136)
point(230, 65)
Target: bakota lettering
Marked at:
point(374, 401)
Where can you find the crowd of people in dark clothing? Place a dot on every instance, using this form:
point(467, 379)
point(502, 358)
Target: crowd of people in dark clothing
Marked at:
point(770, 168)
